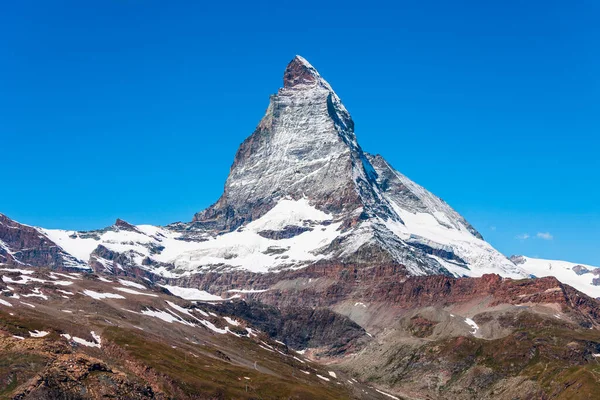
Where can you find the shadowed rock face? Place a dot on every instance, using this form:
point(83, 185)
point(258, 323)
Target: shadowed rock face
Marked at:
point(299, 327)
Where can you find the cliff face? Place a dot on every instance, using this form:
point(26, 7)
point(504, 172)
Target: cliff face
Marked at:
point(25, 245)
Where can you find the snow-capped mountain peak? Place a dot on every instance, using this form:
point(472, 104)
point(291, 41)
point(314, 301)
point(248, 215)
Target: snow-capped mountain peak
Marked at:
point(300, 191)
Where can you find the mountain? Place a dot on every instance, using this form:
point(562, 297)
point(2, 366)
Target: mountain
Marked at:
point(321, 272)
point(301, 190)
point(25, 245)
point(585, 278)
point(77, 335)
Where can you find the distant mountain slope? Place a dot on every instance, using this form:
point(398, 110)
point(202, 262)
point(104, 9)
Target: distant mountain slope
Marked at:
point(585, 278)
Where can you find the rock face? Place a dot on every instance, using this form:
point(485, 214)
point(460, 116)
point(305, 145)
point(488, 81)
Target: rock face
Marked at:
point(303, 147)
point(25, 245)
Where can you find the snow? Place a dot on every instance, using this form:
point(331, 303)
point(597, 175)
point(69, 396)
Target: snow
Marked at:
point(213, 328)
point(387, 394)
point(480, 256)
point(204, 313)
point(473, 325)
point(563, 271)
point(36, 292)
point(5, 303)
point(181, 309)
point(288, 212)
point(132, 284)
point(97, 343)
point(192, 294)
point(231, 321)
point(100, 296)
point(105, 280)
point(246, 249)
point(322, 377)
point(21, 271)
point(25, 280)
point(96, 338)
point(38, 334)
point(131, 291)
point(247, 290)
point(332, 374)
point(165, 316)
point(78, 248)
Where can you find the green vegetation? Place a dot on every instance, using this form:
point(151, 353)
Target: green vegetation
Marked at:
point(200, 372)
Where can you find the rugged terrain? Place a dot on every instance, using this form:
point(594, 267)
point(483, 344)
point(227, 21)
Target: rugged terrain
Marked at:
point(321, 272)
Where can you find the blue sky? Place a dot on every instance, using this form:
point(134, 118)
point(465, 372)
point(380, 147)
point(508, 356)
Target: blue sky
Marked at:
point(135, 109)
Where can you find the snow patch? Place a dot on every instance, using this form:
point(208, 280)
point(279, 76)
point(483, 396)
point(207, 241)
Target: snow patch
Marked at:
point(192, 294)
point(100, 296)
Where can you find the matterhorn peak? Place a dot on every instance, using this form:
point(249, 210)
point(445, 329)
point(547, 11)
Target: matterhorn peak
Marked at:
point(300, 72)
point(304, 155)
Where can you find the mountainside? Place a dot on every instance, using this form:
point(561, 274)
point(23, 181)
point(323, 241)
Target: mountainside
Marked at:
point(321, 272)
point(83, 336)
point(301, 190)
point(585, 278)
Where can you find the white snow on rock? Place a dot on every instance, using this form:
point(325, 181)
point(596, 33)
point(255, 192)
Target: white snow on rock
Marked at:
point(192, 294)
point(322, 377)
point(38, 334)
point(5, 303)
point(165, 316)
point(246, 249)
point(100, 296)
point(83, 342)
point(387, 394)
point(36, 292)
point(21, 271)
point(132, 291)
point(132, 284)
point(332, 374)
point(247, 290)
point(231, 321)
point(473, 325)
point(564, 272)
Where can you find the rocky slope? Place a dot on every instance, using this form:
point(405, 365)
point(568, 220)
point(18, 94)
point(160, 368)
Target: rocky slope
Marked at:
point(25, 245)
point(83, 336)
point(86, 336)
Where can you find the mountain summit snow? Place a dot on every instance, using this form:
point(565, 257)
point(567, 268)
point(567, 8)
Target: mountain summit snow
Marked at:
point(305, 149)
point(300, 191)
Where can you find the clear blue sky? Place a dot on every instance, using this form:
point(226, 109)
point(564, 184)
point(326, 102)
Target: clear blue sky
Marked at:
point(135, 109)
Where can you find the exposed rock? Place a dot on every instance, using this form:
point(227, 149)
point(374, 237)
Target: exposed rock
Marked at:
point(25, 245)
